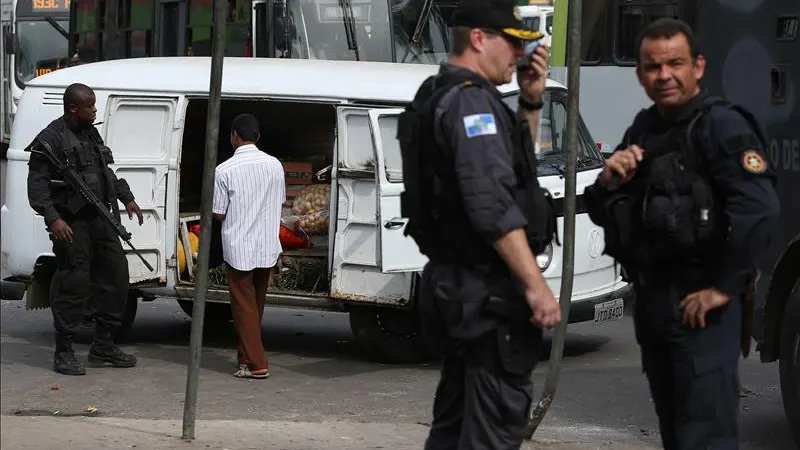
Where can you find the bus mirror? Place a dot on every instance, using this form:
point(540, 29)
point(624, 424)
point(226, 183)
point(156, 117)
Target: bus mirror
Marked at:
point(8, 42)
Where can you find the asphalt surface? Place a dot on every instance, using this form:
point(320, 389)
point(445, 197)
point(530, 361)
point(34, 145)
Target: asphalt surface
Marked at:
point(318, 377)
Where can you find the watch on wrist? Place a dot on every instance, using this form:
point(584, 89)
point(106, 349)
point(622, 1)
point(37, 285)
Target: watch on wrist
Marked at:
point(529, 105)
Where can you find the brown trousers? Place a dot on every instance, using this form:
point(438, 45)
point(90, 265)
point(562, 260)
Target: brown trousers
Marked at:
point(248, 291)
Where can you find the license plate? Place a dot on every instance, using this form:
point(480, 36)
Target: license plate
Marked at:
point(608, 311)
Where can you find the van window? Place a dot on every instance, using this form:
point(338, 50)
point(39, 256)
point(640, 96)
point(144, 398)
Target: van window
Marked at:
point(552, 135)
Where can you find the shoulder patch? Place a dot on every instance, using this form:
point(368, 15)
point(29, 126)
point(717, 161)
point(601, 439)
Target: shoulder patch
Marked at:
point(480, 125)
point(754, 162)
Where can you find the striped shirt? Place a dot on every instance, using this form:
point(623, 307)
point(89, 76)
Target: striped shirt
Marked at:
point(250, 189)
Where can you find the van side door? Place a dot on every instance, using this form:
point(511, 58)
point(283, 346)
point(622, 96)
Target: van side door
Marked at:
point(141, 130)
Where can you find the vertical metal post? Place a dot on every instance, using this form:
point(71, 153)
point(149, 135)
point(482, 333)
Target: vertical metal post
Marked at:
point(209, 163)
point(573, 91)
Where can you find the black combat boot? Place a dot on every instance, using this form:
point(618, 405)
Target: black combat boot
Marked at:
point(105, 351)
point(64, 360)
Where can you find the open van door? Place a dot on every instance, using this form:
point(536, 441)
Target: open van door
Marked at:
point(396, 252)
point(371, 261)
point(140, 132)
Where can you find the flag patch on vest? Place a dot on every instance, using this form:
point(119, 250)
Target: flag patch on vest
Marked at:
point(753, 162)
point(480, 125)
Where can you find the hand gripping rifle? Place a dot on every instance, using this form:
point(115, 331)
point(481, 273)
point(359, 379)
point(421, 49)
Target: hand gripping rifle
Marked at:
point(79, 185)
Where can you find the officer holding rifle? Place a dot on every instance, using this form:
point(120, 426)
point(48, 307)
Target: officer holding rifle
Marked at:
point(68, 158)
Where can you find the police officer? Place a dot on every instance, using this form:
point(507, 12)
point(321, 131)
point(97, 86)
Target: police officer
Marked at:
point(91, 265)
point(477, 212)
point(688, 203)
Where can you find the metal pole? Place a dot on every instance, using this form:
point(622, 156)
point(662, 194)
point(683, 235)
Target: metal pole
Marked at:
point(573, 91)
point(209, 163)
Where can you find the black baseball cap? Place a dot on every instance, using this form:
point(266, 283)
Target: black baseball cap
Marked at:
point(501, 15)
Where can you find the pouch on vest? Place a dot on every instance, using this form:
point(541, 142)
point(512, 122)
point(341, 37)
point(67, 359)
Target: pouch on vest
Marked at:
point(536, 202)
point(678, 211)
point(619, 224)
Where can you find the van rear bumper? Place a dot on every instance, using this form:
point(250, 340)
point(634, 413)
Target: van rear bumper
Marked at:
point(12, 289)
point(583, 310)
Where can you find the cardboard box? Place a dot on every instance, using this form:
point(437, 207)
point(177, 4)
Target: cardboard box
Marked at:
point(298, 172)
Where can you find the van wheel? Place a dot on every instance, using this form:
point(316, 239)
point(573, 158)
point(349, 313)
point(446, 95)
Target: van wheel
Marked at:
point(789, 361)
point(388, 335)
point(85, 332)
point(128, 317)
point(216, 314)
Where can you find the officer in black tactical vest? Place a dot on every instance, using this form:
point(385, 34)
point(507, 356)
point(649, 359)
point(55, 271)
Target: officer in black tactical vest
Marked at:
point(91, 265)
point(688, 204)
point(476, 210)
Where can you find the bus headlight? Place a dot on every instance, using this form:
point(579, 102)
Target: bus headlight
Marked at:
point(544, 258)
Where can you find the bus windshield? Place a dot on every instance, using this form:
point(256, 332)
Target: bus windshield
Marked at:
point(362, 30)
point(40, 48)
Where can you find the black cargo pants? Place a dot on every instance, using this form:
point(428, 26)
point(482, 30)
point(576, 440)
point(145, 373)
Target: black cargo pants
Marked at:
point(693, 373)
point(93, 268)
point(485, 390)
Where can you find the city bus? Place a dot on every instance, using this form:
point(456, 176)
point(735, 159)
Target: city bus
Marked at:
point(751, 48)
point(408, 31)
point(34, 42)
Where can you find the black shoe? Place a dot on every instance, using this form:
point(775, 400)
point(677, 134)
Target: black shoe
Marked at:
point(99, 356)
point(65, 362)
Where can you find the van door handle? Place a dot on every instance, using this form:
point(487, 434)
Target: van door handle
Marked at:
point(393, 224)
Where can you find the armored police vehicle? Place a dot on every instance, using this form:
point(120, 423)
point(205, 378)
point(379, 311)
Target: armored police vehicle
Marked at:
point(751, 48)
point(333, 125)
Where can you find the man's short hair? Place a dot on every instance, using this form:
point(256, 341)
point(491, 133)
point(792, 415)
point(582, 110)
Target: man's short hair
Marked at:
point(666, 28)
point(75, 94)
point(246, 126)
point(460, 40)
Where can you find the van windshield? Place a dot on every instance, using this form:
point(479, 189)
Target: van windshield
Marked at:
point(551, 145)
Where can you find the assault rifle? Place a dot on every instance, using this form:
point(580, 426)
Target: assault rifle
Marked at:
point(79, 185)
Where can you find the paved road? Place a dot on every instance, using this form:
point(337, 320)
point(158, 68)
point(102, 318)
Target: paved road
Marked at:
point(318, 377)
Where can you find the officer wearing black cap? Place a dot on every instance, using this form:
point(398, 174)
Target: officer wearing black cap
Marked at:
point(688, 204)
point(476, 210)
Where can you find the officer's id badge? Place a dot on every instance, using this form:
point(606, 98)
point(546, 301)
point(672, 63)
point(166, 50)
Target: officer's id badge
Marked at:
point(480, 125)
point(754, 162)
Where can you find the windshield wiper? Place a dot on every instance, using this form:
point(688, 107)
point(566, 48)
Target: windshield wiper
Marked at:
point(57, 26)
point(424, 16)
point(349, 26)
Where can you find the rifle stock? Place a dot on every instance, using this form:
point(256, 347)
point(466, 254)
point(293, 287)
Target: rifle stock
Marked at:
point(79, 185)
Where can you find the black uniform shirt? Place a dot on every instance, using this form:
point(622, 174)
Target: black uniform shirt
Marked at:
point(742, 182)
point(473, 127)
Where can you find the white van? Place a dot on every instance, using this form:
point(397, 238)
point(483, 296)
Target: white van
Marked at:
point(332, 118)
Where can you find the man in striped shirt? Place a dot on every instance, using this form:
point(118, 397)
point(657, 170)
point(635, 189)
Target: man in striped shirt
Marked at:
point(249, 191)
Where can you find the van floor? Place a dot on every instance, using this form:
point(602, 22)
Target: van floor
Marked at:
point(292, 132)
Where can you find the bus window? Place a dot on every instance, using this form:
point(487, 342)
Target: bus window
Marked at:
point(631, 18)
point(237, 28)
point(436, 34)
point(593, 33)
point(138, 25)
point(86, 45)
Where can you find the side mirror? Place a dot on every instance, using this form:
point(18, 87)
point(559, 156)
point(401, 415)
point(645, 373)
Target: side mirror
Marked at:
point(8, 42)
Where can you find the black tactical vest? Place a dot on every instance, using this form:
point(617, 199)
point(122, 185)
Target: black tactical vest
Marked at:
point(431, 200)
point(667, 214)
point(90, 158)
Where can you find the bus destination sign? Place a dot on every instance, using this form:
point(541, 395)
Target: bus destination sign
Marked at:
point(42, 7)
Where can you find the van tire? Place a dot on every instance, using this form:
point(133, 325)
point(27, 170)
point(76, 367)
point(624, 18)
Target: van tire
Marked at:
point(85, 333)
point(216, 314)
point(789, 361)
point(388, 335)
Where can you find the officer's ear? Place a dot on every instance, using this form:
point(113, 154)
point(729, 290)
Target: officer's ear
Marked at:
point(699, 67)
